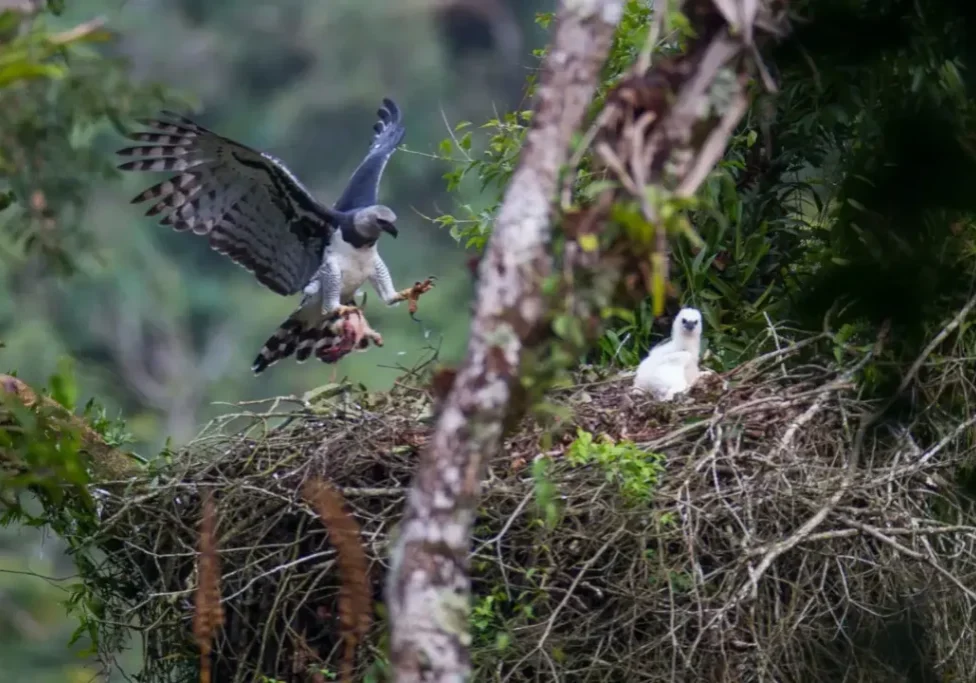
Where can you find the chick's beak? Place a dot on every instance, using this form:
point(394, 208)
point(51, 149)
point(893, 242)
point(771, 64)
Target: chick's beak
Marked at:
point(689, 324)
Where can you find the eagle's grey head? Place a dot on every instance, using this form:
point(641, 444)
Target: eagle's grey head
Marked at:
point(373, 220)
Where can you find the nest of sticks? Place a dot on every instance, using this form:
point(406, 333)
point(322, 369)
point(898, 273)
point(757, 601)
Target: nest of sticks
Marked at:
point(781, 541)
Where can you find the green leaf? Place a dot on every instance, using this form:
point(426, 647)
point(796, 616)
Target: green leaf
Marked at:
point(590, 190)
point(589, 242)
point(64, 389)
point(99, 35)
point(21, 71)
point(9, 23)
point(657, 283)
point(622, 313)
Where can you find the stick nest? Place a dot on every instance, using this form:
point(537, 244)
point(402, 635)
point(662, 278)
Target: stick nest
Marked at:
point(780, 540)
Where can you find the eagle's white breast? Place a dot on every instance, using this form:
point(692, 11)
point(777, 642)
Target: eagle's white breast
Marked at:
point(356, 265)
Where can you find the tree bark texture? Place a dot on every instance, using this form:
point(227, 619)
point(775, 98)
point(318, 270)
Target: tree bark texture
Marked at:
point(428, 589)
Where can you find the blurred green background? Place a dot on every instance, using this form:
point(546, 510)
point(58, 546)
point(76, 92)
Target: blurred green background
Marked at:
point(161, 329)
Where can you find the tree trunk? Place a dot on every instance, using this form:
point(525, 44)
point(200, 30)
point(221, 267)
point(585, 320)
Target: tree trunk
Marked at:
point(429, 588)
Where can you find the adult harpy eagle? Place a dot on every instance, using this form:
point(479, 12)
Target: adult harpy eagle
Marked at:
point(255, 211)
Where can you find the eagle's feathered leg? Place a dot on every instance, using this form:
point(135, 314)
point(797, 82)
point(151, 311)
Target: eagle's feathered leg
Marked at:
point(328, 280)
point(383, 284)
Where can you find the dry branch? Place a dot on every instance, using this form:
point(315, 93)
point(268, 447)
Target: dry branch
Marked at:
point(429, 589)
point(666, 126)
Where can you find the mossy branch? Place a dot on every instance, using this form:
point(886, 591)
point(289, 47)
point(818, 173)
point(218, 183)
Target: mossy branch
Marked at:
point(106, 462)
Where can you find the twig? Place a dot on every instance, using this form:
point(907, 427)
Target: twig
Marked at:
point(562, 603)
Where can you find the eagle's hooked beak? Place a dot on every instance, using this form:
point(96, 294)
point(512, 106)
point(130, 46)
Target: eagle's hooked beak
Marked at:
point(390, 228)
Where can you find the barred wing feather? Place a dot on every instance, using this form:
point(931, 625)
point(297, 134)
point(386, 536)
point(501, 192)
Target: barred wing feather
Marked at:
point(247, 203)
point(363, 187)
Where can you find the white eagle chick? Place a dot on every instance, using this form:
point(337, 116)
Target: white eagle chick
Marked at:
point(672, 366)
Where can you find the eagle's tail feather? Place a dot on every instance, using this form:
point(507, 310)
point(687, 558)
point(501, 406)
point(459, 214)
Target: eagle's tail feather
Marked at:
point(307, 332)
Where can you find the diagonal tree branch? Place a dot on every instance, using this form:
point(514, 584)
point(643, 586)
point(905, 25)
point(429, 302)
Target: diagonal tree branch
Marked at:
point(429, 587)
point(106, 462)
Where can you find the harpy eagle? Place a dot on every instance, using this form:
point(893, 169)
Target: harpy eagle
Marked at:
point(672, 366)
point(255, 211)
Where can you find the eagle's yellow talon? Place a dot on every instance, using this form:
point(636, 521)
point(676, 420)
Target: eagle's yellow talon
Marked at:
point(411, 294)
point(343, 311)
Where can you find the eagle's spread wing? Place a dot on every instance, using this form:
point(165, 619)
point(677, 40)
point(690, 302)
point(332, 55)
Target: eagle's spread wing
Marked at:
point(363, 187)
point(246, 202)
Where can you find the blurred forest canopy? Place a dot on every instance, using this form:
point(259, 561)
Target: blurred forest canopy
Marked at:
point(846, 196)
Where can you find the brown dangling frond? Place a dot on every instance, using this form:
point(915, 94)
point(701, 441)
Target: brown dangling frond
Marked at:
point(355, 600)
point(209, 614)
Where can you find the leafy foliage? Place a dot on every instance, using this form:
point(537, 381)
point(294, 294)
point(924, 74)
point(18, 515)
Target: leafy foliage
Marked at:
point(818, 206)
point(631, 468)
point(44, 448)
point(46, 485)
point(492, 167)
point(57, 91)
